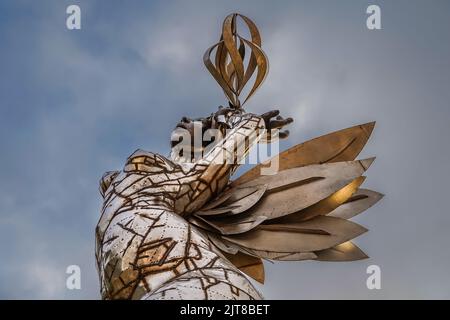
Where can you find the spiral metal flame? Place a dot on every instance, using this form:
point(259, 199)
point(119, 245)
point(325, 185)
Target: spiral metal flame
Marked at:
point(229, 68)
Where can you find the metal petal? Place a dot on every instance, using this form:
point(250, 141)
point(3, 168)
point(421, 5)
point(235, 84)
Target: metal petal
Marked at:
point(223, 226)
point(201, 224)
point(362, 200)
point(346, 251)
point(220, 199)
point(340, 230)
point(343, 145)
point(237, 200)
point(326, 205)
point(223, 244)
point(251, 266)
point(295, 189)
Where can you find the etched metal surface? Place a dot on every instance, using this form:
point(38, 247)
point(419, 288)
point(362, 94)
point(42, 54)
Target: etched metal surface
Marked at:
point(179, 228)
point(144, 245)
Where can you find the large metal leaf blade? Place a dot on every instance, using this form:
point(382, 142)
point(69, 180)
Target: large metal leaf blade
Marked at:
point(339, 230)
point(216, 211)
point(362, 200)
point(223, 244)
point(283, 179)
point(224, 227)
point(295, 189)
point(322, 225)
point(201, 224)
point(343, 145)
point(221, 198)
point(324, 206)
point(239, 200)
point(251, 266)
point(346, 251)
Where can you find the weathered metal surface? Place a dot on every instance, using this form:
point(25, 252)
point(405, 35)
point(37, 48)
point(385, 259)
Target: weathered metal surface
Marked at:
point(179, 229)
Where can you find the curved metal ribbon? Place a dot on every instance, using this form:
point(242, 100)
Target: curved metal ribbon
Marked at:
point(230, 68)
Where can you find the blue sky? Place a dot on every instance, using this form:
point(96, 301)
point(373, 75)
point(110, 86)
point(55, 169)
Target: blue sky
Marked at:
point(74, 104)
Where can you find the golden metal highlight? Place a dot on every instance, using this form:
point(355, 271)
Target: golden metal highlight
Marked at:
point(230, 68)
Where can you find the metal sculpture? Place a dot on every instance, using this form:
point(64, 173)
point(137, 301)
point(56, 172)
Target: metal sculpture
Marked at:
point(179, 228)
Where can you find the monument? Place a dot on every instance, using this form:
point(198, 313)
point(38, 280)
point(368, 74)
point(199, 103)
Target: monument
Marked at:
point(182, 228)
